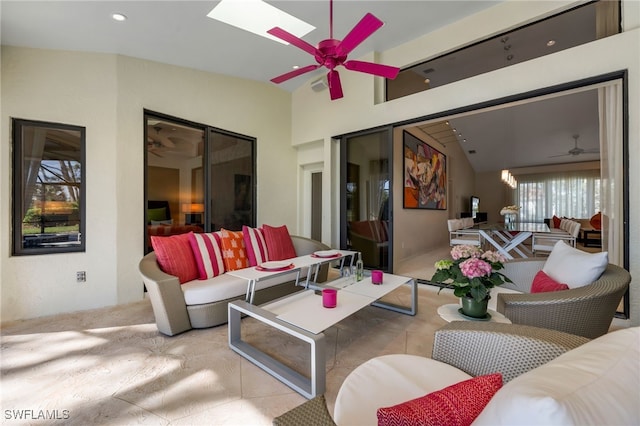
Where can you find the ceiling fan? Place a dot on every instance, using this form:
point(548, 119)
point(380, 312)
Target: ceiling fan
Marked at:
point(576, 150)
point(331, 53)
point(159, 138)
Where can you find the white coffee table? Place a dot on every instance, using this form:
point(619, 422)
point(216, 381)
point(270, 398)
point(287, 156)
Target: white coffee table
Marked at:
point(302, 316)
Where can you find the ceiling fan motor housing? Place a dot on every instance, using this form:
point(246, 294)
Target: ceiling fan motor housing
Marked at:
point(328, 55)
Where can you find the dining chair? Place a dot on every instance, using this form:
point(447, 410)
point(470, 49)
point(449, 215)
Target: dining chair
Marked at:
point(545, 241)
point(461, 232)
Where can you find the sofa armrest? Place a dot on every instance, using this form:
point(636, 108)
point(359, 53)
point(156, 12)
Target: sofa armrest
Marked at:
point(484, 348)
point(167, 299)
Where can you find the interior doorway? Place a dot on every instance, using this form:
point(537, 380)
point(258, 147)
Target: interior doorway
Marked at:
point(316, 206)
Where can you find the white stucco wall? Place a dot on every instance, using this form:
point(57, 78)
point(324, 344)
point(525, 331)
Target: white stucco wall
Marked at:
point(315, 117)
point(107, 95)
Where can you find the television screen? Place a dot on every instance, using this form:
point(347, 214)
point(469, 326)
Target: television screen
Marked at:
point(475, 205)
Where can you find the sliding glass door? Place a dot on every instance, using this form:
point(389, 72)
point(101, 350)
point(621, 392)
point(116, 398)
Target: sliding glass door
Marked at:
point(197, 178)
point(366, 198)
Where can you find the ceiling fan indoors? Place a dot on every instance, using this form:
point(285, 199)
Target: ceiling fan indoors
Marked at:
point(331, 53)
point(576, 150)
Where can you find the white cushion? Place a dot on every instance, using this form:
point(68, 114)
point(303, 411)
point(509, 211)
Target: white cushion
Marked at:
point(596, 384)
point(574, 267)
point(226, 286)
point(389, 380)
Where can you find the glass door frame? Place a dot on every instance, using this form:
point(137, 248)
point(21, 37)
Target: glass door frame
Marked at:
point(388, 132)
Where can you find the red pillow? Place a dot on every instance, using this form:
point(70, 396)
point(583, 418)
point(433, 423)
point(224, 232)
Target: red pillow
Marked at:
point(543, 283)
point(175, 257)
point(596, 221)
point(457, 404)
point(279, 244)
point(556, 221)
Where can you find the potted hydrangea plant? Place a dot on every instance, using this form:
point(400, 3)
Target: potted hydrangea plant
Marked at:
point(471, 273)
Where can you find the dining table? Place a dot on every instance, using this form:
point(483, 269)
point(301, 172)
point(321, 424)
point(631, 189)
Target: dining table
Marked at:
point(508, 238)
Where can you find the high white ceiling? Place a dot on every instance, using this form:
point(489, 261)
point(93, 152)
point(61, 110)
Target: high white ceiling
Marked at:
point(180, 33)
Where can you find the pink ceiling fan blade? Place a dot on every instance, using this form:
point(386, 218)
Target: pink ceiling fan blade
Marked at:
point(363, 29)
point(335, 88)
point(290, 38)
point(284, 77)
point(381, 70)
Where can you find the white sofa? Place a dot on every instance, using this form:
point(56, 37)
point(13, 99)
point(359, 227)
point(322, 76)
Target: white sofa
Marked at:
point(551, 378)
point(203, 303)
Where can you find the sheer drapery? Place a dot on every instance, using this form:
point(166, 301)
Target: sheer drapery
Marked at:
point(569, 194)
point(612, 166)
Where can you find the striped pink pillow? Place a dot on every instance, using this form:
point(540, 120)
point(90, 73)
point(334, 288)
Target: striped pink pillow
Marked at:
point(208, 255)
point(255, 245)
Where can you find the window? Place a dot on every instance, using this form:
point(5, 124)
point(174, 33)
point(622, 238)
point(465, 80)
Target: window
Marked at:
point(570, 194)
point(48, 187)
point(580, 25)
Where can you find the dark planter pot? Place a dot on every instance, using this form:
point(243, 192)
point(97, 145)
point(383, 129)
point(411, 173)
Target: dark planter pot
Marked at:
point(474, 309)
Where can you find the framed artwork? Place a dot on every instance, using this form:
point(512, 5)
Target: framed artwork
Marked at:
point(425, 175)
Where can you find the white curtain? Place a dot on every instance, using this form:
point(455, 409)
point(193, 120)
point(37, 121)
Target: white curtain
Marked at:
point(611, 164)
point(566, 194)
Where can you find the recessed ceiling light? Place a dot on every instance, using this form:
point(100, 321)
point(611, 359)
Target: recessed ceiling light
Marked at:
point(295, 67)
point(551, 43)
point(258, 17)
point(119, 17)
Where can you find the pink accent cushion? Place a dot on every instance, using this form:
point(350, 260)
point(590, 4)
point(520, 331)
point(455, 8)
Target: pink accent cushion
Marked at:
point(255, 245)
point(543, 283)
point(457, 404)
point(279, 244)
point(208, 254)
point(233, 250)
point(175, 257)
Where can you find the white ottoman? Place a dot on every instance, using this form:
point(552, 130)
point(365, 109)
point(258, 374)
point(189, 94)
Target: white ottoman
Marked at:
point(389, 380)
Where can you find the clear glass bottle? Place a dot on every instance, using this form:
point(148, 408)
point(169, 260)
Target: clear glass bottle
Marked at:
point(359, 268)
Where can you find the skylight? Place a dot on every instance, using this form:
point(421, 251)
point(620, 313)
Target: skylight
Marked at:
point(258, 17)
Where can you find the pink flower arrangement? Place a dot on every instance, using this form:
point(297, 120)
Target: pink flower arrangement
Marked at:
point(472, 272)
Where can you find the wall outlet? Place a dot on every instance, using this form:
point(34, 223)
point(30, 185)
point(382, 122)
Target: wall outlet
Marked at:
point(81, 276)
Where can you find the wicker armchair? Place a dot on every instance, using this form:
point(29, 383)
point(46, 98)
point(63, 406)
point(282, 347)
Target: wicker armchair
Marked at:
point(585, 311)
point(473, 347)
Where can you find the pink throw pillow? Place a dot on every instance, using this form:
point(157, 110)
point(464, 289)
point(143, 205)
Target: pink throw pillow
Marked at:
point(455, 405)
point(279, 244)
point(233, 250)
point(255, 245)
point(543, 283)
point(208, 254)
point(175, 257)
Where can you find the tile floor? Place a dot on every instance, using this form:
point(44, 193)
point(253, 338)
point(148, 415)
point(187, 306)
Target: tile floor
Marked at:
point(111, 366)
